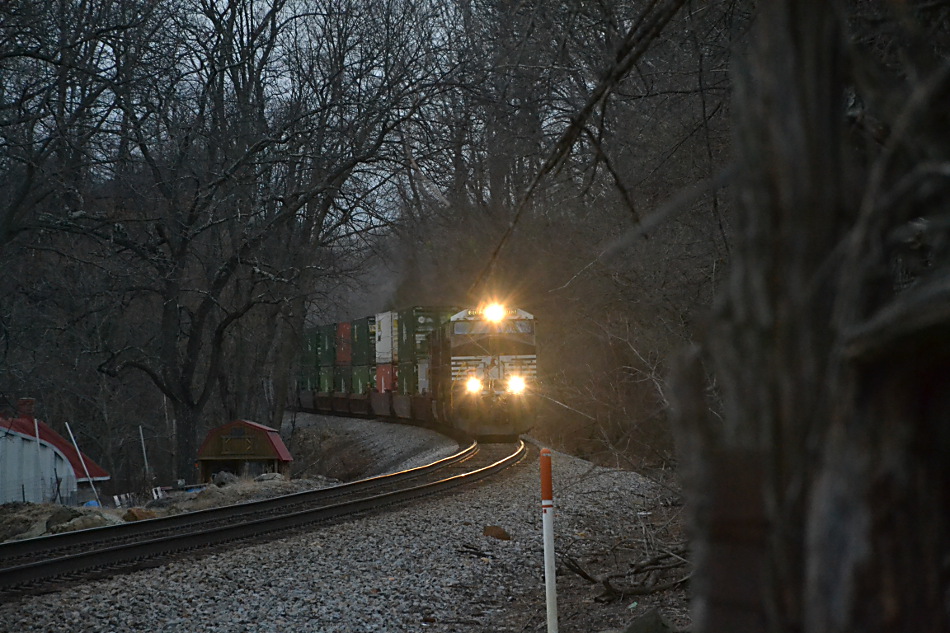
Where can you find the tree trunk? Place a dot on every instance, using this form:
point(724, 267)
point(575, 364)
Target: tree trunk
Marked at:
point(186, 442)
point(821, 501)
point(877, 539)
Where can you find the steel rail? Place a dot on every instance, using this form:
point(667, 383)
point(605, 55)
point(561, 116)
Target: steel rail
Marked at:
point(151, 551)
point(48, 546)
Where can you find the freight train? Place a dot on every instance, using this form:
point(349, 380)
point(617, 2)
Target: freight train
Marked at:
point(472, 370)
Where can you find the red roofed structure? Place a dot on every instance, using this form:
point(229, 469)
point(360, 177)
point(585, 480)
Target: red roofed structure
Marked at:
point(48, 471)
point(243, 448)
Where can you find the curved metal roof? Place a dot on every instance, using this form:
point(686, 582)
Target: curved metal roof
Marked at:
point(25, 426)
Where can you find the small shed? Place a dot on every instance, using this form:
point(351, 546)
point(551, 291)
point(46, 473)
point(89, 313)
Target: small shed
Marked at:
point(39, 465)
point(243, 448)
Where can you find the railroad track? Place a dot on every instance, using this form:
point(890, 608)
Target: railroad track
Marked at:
point(45, 563)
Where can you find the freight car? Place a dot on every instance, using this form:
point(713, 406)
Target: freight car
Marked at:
point(473, 370)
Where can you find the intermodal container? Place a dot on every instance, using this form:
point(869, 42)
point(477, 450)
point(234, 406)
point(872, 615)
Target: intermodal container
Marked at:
point(326, 345)
point(305, 381)
point(307, 371)
point(387, 335)
point(414, 327)
point(364, 341)
point(308, 348)
point(342, 379)
point(325, 384)
point(364, 378)
point(386, 377)
point(440, 362)
point(408, 383)
point(422, 375)
point(344, 343)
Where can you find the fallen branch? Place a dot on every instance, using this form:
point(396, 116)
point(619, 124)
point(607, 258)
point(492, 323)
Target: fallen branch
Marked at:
point(572, 565)
point(614, 592)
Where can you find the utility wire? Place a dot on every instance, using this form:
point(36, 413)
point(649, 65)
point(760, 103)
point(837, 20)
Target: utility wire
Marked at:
point(637, 41)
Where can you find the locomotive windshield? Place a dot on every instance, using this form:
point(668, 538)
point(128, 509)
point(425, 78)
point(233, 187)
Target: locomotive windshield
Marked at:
point(511, 326)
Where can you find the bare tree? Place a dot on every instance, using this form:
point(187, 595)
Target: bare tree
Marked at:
point(829, 347)
point(524, 103)
point(55, 102)
point(225, 161)
point(262, 155)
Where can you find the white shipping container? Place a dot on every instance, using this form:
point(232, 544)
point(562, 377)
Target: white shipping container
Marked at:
point(387, 337)
point(423, 377)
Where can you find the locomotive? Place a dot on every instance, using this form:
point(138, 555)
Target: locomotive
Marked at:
point(471, 370)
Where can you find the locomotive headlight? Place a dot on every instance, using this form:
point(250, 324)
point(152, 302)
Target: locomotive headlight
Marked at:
point(495, 312)
point(473, 385)
point(516, 385)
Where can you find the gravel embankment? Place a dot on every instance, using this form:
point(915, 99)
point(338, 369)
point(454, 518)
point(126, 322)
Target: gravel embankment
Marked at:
point(349, 448)
point(425, 567)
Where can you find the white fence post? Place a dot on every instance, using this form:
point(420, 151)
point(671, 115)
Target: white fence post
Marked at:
point(547, 524)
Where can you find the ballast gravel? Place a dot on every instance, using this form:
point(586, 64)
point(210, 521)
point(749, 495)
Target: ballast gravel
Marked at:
point(421, 567)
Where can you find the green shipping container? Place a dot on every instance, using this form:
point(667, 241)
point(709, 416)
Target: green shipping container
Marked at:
point(325, 384)
point(408, 379)
point(306, 382)
point(342, 379)
point(415, 324)
point(364, 341)
point(364, 378)
point(307, 369)
point(326, 345)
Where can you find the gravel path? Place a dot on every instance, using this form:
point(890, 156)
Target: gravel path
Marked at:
point(427, 567)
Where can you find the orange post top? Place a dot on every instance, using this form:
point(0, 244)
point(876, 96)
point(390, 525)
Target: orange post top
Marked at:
point(547, 488)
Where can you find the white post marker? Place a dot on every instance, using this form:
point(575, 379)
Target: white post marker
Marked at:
point(144, 454)
point(39, 468)
point(547, 525)
point(82, 461)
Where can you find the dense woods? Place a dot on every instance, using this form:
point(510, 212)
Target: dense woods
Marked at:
point(752, 196)
point(187, 185)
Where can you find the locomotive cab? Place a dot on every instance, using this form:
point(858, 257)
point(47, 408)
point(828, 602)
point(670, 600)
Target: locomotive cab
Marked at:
point(486, 363)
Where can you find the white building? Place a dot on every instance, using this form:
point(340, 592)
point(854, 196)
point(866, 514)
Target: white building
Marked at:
point(38, 465)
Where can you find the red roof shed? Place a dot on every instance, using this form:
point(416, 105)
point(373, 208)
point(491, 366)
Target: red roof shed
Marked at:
point(25, 426)
point(243, 447)
point(39, 465)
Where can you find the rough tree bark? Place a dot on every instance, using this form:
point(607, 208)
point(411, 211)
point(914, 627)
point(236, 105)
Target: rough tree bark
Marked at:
point(821, 499)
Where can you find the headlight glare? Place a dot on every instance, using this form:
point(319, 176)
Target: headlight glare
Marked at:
point(473, 385)
point(495, 312)
point(516, 385)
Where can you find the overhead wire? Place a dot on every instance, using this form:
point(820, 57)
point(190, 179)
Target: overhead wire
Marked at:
point(637, 41)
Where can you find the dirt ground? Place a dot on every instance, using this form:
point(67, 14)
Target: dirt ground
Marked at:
point(347, 460)
point(28, 520)
point(595, 590)
point(640, 580)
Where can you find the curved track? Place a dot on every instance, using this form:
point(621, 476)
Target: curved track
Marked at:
point(43, 563)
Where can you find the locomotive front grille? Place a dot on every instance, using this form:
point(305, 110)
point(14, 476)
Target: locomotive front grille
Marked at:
point(525, 365)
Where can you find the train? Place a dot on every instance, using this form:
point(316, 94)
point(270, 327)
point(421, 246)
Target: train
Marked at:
point(471, 370)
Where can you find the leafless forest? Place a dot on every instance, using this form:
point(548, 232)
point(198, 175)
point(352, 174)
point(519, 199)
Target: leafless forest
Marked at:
point(730, 218)
point(189, 184)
